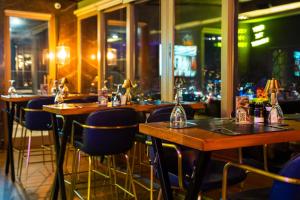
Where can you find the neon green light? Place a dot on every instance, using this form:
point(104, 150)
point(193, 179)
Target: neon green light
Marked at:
point(258, 28)
point(218, 44)
point(242, 44)
point(241, 37)
point(242, 30)
point(259, 35)
point(260, 42)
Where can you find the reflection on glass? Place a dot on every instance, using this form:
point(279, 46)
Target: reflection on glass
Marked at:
point(148, 40)
point(197, 49)
point(268, 47)
point(115, 69)
point(29, 53)
point(89, 55)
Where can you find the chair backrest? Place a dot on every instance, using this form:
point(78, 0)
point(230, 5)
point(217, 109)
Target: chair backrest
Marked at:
point(38, 120)
point(79, 100)
point(110, 141)
point(19, 106)
point(91, 99)
point(164, 113)
point(213, 108)
point(281, 190)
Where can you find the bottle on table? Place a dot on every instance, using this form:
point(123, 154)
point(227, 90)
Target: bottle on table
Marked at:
point(258, 113)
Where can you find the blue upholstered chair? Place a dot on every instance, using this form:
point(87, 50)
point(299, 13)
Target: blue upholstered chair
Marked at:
point(35, 119)
point(106, 133)
point(180, 159)
point(286, 184)
point(91, 99)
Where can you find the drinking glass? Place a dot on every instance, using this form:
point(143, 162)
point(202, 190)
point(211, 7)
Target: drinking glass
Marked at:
point(59, 98)
point(178, 116)
point(12, 90)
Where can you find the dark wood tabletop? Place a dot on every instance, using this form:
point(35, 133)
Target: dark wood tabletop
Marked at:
point(205, 140)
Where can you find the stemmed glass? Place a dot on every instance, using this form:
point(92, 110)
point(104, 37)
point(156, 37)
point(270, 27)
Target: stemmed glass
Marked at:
point(12, 90)
point(59, 98)
point(178, 116)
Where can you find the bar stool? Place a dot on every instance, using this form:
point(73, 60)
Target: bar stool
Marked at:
point(35, 120)
point(286, 184)
point(106, 133)
point(181, 159)
point(66, 126)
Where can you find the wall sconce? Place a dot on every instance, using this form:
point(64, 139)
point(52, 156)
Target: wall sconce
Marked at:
point(62, 55)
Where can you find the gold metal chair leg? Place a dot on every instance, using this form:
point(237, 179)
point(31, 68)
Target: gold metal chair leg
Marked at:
point(129, 173)
point(159, 197)
point(16, 131)
point(151, 181)
point(43, 146)
point(224, 182)
point(74, 173)
point(22, 153)
point(89, 179)
point(50, 135)
point(28, 149)
point(94, 174)
point(133, 156)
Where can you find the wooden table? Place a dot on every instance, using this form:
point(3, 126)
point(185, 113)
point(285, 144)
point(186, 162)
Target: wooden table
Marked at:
point(10, 110)
point(206, 141)
point(68, 110)
point(11, 101)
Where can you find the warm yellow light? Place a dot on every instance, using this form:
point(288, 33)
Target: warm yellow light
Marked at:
point(62, 55)
point(93, 57)
point(110, 55)
point(50, 56)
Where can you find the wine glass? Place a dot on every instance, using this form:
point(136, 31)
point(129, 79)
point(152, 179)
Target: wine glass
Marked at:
point(178, 116)
point(12, 90)
point(59, 98)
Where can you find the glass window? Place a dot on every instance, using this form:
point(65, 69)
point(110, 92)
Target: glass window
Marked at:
point(29, 53)
point(115, 69)
point(148, 40)
point(268, 47)
point(89, 55)
point(197, 49)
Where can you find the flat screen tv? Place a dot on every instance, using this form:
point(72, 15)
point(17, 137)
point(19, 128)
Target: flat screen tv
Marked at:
point(185, 64)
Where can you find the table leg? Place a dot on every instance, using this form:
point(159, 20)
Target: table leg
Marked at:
point(60, 149)
point(10, 155)
point(162, 171)
point(198, 174)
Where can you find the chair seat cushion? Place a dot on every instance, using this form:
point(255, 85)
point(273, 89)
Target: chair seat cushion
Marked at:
point(255, 194)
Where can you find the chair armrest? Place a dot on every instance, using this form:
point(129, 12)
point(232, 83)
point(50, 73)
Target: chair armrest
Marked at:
point(61, 117)
point(256, 171)
point(32, 110)
point(179, 159)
